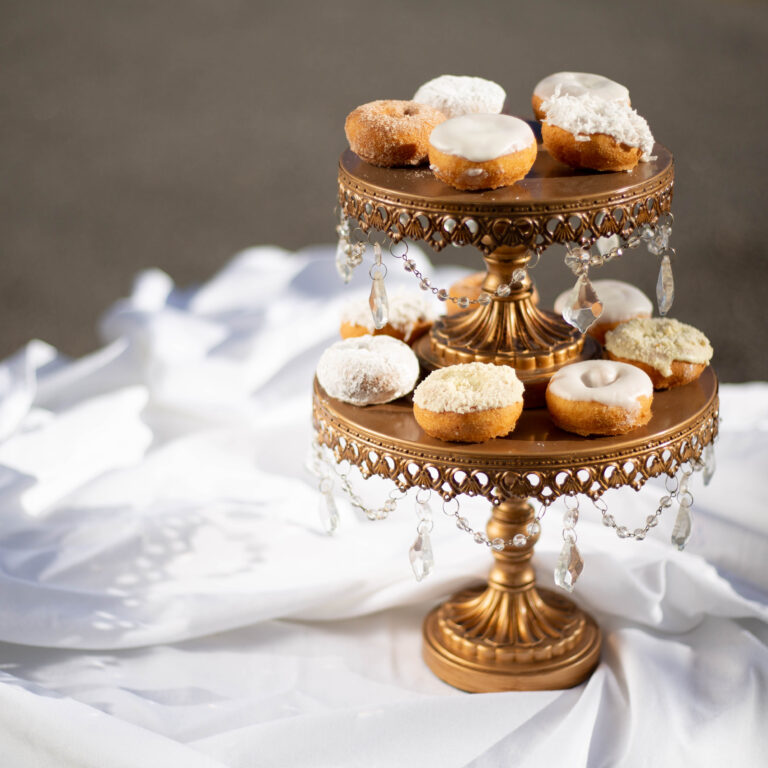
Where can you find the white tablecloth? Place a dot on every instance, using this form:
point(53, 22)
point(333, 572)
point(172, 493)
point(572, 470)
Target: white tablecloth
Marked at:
point(169, 598)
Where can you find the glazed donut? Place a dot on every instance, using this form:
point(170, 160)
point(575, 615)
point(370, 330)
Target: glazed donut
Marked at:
point(599, 397)
point(470, 286)
point(469, 402)
point(368, 369)
point(482, 151)
point(577, 84)
point(621, 302)
point(670, 352)
point(410, 317)
point(457, 95)
point(389, 133)
point(589, 132)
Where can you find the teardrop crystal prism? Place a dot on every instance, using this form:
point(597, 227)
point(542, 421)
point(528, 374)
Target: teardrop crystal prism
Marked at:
point(328, 512)
point(569, 566)
point(342, 262)
point(683, 526)
point(665, 286)
point(421, 557)
point(583, 306)
point(710, 465)
point(379, 303)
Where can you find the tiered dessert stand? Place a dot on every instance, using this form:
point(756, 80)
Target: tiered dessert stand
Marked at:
point(511, 634)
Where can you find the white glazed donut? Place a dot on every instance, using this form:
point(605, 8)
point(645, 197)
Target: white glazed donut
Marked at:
point(368, 369)
point(599, 397)
point(577, 84)
point(621, 302)
point(456, 95)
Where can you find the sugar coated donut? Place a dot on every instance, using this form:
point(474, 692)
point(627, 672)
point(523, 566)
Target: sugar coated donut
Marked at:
point(577, 84)
point(469, 402)
point(481, 151)
point(368, 369)
point(410, 316)
point(670, 352)
point(456, 95)
point(599, 397)
point(389, 133)
point(589, 132)
point(621, 302)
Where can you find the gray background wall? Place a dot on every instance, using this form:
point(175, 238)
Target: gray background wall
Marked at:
point(174, 133)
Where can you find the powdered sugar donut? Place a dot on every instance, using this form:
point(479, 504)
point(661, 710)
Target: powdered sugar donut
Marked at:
point(577, 84)
point(410, 316)
point(456, 95)
point(670, 352)
point(482, 151)
point(389, 133)
point(469, 402)
point(590, 132)
point(599, 397)
point(368, 369)
point(621, 302)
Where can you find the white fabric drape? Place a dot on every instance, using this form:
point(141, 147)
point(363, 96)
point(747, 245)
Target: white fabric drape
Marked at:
point(168, 597)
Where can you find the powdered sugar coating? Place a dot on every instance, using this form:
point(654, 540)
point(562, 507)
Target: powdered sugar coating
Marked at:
point(586, 115)
point(621, 301)
point(469, 387)
point(456, 95)
point(368, 369)
point(406, 310)
point(602, 381)
point(480, 138)
point(658, 342)
point(581, 84)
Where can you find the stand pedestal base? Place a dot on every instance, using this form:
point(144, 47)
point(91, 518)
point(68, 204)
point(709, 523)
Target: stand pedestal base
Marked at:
point(479, 664)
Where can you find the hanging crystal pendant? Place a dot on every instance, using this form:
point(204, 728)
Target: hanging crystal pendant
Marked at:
point(328, 512)
point(710, 465)
point(583, 306)
point(577, 258)
point(343, 266)
point(421, 557)
point(683, 526)
point(569, 566)
point(665, 285)
point(379, 303)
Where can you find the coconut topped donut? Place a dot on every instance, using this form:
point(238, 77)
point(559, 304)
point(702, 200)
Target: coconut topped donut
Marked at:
point(368, 369)
point(577, 84)
point(671, 352)
point(410, 316)
point(456, 95)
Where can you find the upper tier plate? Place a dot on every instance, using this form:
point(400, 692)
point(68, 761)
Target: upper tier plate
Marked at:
point(553, 203)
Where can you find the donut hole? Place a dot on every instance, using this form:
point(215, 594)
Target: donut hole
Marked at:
point(599, 377)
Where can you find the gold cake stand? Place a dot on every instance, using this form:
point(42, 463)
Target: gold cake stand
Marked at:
point(511, 634)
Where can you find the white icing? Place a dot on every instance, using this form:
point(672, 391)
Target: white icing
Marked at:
point(368, 369)
point(456, 95)
point(602, 381)
point(621, 301)
point(480, 138)
point(585, 115)
point(406, 309)
point(581, 84)
point(469, 387)
point(659, 342)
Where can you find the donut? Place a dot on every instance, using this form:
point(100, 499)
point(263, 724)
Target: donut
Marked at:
point(469, 402)
point(590, 132)
point(599, 397)
point(456, 95)
point(368, 369)
point(410, 317)
point(577, 84)
point(389, 133)
point(471, 286)
point(481, 151)
point(621, 302)
point(670, 352)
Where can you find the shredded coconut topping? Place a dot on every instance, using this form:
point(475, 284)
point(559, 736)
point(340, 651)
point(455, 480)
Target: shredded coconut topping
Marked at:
point(658, 342)
point(456, 95)
point(469, 387)
point(406, 309)
point(585, 115)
